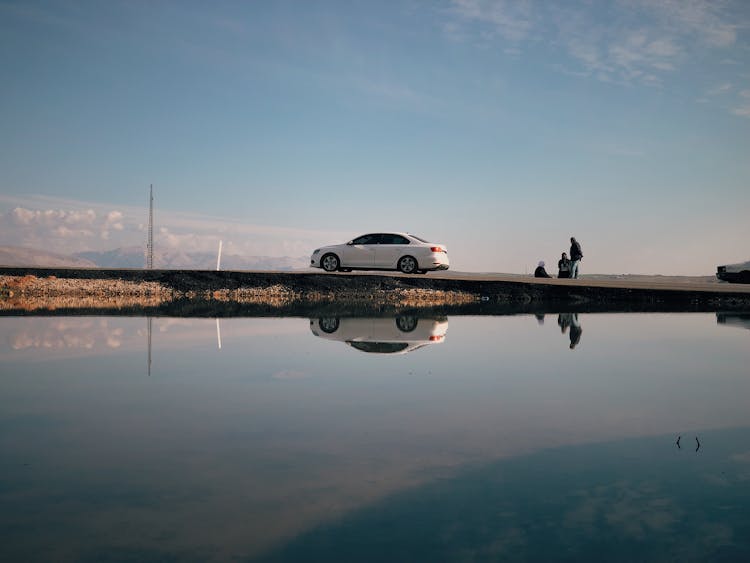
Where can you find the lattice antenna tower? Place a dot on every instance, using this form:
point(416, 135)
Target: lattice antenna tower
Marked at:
point(150, 242)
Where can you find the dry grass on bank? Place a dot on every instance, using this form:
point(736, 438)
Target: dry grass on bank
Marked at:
point(28, 293)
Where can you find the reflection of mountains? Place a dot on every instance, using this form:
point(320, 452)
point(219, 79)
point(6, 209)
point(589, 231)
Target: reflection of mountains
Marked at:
point(398, 335)
point(740, 320)
point(67, 334)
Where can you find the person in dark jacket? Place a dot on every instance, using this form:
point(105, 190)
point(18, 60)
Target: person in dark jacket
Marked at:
point(575, 257)
point(540, 272)
point(563, 266)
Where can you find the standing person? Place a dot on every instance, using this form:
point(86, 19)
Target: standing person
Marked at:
point(563, 266)
point(540, 272)
point(575, 257)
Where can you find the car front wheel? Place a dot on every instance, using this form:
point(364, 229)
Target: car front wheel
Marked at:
point(406, 324)
point(330, 262)
point(329, 325)
point(407, 265)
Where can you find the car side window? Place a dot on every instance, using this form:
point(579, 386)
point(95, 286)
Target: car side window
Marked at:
point(366, 239)
point(393, 239)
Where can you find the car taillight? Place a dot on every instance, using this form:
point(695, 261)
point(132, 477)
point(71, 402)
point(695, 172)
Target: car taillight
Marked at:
point(438, 249)
point(436, 338)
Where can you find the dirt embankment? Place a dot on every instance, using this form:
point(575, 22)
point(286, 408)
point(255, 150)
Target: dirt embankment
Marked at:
point(36, 289)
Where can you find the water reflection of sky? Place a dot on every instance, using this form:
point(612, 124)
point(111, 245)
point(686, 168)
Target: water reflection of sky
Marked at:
point(282, 438)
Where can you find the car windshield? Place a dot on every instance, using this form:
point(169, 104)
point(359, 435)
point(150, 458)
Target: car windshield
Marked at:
point(420, 239)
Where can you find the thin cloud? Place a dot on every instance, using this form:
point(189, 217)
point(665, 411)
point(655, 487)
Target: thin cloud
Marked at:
point(720, 89)
point(743, 107)
point(511, 19)
point(707, 21)
point(638, 42)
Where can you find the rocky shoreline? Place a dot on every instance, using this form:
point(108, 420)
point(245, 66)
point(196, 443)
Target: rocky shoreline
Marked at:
point(39, 290)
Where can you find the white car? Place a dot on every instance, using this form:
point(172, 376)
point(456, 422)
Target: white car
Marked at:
point(382, 251)
point(382, 335)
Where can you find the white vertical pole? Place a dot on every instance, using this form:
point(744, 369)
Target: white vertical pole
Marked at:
point(218, 332)
point(218, 258)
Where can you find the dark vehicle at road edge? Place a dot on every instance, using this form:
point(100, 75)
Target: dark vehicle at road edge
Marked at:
point(734, 273)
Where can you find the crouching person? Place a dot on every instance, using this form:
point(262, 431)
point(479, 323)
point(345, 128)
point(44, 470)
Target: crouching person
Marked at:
point(540, 272)
point(563, 266)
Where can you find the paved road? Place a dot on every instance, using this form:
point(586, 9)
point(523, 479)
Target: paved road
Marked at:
point(684, 283)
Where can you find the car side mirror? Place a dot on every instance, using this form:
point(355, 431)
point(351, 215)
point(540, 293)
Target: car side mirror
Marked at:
point(351, 242)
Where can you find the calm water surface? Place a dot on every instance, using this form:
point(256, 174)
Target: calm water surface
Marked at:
point(383, 439)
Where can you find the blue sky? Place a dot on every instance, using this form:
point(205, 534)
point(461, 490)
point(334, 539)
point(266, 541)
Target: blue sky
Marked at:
point(498, 128)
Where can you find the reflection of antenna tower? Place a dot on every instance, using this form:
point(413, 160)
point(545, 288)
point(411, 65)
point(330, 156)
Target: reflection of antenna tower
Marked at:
point(150, 243)
point(148, 330)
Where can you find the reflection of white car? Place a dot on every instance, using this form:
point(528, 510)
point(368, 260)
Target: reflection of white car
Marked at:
point(734, 273)
point(382, 251)
point(382, 335)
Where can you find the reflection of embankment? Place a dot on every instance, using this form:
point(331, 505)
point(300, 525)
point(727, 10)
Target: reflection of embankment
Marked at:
point(282, 296)
point(159, 292)
point(29, 293)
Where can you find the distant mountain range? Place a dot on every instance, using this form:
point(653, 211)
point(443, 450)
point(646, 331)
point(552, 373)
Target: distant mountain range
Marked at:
point(133, 257)
point(17, 256)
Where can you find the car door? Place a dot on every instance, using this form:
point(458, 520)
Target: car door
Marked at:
point(360, 253)
point(390, 249)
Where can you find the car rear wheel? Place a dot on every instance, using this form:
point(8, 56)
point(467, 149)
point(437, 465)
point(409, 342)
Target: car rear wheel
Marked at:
point(330, 262)
point(408, 265)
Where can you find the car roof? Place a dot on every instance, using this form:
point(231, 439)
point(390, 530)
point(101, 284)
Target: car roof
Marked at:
point(386, 233)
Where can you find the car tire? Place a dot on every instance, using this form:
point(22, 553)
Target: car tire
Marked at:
point(330, 262)
point(408, 265)
point(329, 325)
point(407, 323)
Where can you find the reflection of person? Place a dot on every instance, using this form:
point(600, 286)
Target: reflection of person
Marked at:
point(563, 266)
point(540, 272)
point(575, 257)
point(539, 318)
point(565, 320)
point(575, 331)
